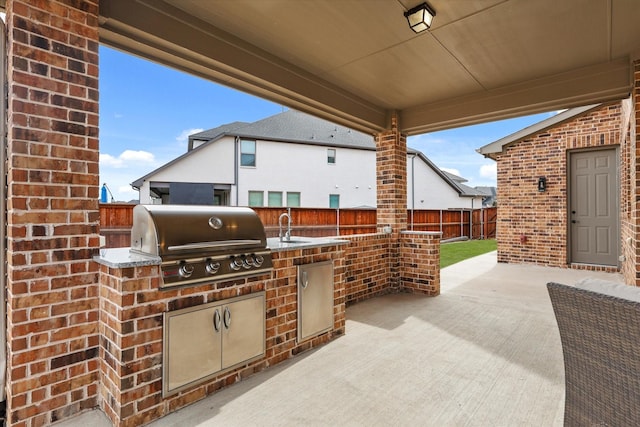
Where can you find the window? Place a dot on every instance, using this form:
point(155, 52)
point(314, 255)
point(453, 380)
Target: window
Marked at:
point(293, 200)
point(275, 198)
point(247, 153)
point(256, 198)
point(331, 156)
point(334, 201)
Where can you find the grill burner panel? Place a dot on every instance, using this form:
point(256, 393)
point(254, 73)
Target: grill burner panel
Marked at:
point(201, 243)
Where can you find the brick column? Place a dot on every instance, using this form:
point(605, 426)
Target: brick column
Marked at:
point(391, 181)
point(52, 209)
point(391, 178)
point(635, 177)
point(420, 262)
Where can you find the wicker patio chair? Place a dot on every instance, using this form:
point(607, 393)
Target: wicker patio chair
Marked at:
point(599, 324)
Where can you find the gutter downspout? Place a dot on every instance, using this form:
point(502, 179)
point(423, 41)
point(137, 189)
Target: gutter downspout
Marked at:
point(471, 221)
point(413, 188)
point(236, 172)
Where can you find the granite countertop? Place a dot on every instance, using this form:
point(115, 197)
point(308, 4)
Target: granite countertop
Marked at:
point(124, 258)
point(301, 242)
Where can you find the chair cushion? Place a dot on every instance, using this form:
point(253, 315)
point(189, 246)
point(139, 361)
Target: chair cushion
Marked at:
point(618, 290)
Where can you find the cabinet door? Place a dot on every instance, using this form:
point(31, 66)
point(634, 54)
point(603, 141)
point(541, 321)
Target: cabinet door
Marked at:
point(243, 330)
point(315, 299)
point(192, 347)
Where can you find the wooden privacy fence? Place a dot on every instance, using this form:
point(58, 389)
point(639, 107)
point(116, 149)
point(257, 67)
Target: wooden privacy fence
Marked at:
point(116, 220)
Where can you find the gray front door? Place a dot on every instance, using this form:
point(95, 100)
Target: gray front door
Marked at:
point(593, 207)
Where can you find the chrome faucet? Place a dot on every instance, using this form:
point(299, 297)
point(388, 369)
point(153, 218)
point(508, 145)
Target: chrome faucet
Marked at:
point(287, 235)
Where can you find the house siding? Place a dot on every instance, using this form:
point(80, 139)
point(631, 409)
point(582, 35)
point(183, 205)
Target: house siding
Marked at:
point(432, 192)
point(289, 167)
point(532, 225)
point(216, 157)
point(303, 168)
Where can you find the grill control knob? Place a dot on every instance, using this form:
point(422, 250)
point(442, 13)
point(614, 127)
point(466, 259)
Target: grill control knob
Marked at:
point(247, 262)
point(258, 260)
point(186, 270)
point(212, 267)
point(236, 263)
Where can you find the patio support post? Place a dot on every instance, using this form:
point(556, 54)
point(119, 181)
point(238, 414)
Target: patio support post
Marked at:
point(391, 184)
point(52, 193)
point(635, 178)
point(391, 177)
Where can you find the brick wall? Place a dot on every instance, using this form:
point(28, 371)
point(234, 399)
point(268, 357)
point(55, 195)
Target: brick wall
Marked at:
point(391, 178)
point(131, 307)
point(52, 219)
point(391, 190)
point(628, 267)
point(368, 261)
point(367, 266)
point(631, 224)
point(532, 225)
point(420, 262)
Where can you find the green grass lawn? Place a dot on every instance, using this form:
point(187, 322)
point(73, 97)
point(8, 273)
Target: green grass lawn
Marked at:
point(453, 252)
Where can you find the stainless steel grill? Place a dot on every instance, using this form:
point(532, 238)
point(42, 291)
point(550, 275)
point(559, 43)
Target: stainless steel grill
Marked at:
point(200, 244)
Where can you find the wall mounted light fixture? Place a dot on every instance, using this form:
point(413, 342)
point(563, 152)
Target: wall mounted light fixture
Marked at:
point(420, 17)
point(542, 184)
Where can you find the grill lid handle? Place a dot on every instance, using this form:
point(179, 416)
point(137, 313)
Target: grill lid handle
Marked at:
point(215, 245)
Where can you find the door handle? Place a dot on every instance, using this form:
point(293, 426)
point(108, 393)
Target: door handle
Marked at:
point(227, 317)
point(573, 221)
point(305, 280)
point(216, 320)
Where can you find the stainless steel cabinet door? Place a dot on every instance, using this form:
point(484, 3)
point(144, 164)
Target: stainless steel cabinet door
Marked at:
point(243, 330)
point(193, 348)
point(315, 299)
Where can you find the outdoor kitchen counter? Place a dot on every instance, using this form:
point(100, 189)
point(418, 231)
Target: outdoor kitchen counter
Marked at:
point(134, 350)
point(124, 258)
point(298, 242)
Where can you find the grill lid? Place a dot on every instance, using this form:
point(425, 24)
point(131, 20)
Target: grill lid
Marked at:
point(200, 244)
point(176, 231)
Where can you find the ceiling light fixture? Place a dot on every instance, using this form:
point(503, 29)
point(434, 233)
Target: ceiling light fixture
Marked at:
point(420, 17)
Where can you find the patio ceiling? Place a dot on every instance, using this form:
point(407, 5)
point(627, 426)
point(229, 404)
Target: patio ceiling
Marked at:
point(356, 61)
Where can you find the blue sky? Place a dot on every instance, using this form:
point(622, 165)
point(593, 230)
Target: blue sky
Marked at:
point(147, 111)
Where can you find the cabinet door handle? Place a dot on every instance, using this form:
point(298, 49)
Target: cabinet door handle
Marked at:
point(305, 280)
point(216, 320)
point(227, 317)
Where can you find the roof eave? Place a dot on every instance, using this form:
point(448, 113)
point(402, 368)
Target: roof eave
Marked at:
point(496, 147)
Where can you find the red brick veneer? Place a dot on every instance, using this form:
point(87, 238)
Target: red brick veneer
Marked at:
point(131, 307)
point(53, 216)
point(532, 225)
point(420, 262)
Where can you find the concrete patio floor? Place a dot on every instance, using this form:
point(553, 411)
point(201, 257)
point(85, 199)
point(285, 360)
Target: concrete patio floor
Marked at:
point(486, 352)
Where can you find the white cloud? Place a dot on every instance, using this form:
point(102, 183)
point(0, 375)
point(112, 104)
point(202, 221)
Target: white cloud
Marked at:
point(126, 158)
point(184, 135)
point(425, 138)
point(127, 190)
point(108, 160)
point(489, 171)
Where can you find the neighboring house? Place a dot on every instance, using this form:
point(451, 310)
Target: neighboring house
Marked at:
point(491, 197)
point(293, 159)
point(560, 183)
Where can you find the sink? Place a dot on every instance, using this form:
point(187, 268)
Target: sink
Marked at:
point(296, 241)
